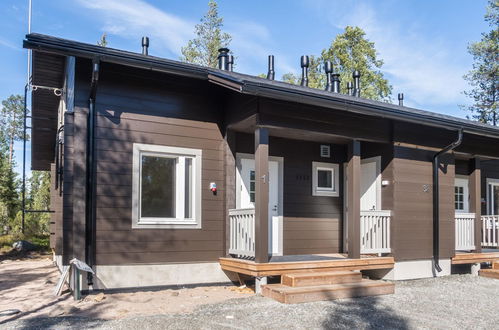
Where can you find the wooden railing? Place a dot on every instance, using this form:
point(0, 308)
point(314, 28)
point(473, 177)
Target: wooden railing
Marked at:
point(375, 231)
point(242, 232)
point(465, 231)
point(490, 231)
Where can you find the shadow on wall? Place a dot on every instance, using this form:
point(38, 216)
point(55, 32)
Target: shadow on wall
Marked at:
point(364, 313)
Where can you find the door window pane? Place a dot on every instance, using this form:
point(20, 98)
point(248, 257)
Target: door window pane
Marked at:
point(459, 198)
point(495, 197)
point(158, 187)
point(325, 179)
point(252, 188)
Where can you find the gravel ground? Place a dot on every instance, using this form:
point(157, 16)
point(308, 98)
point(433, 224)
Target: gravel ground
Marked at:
point(454, 302)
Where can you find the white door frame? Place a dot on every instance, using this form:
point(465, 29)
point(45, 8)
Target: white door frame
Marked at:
point(280, 188)
point(490, 184)
point(463, 181)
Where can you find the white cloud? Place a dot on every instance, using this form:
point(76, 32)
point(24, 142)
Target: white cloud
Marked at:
point(418, 65)
point(7, 44)
point(136, 18)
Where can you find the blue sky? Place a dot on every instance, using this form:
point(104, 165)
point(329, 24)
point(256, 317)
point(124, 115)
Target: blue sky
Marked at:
point(422, 42)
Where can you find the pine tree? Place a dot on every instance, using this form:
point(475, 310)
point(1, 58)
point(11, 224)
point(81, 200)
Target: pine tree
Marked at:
point(11, 121)
point(484, 76)
point(350, 51)
point(203, 49)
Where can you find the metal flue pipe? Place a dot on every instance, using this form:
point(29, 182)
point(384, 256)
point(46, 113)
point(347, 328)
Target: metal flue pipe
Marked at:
point(356, 83)
point(145, 45)
point(350, 88)
point(223, 54)
point(401, 99)
point(271, 71)
point(328, 68)
point(305, 63)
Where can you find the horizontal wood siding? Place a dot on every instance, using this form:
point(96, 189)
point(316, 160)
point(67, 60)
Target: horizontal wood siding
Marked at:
point(135, 109)
point(412, 222)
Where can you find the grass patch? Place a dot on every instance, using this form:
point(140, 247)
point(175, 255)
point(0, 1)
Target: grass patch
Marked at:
point(41, 242)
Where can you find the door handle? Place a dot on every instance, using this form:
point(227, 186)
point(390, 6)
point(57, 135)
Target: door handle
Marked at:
point(274, 208)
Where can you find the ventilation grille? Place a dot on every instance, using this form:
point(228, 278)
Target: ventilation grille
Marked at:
point(325, 151)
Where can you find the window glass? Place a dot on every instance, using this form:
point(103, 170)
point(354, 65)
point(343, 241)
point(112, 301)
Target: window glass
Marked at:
point(495, 197)
point(459, 198)
point(325, 179)
point(252, 189)
point(158, 187)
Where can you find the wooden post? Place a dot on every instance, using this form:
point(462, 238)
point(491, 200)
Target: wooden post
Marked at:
point(261, 195)
point(353, 197)
point(475, 187)
point(230, 183)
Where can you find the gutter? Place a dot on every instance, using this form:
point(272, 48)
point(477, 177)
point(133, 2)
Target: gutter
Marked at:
point(90, 174)
point(436, 199)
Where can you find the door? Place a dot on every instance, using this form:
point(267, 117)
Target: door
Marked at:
point(370, 184)
point(245, 193)
point(493, 197)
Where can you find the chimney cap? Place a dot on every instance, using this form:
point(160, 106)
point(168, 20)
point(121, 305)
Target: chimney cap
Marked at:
point(223, 50)
point(145, 41)
point(401, 96)
point(328, 67)
point(356, 74)
point(305, 61)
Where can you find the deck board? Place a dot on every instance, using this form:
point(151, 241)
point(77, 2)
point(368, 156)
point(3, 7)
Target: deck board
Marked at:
point(472, 258)
point(302, 264)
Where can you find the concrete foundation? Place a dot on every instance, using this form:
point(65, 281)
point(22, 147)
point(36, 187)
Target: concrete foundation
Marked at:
point(410, 270)
point(135, 276)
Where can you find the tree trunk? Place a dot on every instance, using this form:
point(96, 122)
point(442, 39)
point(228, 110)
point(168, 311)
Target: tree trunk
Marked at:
point(11, 149)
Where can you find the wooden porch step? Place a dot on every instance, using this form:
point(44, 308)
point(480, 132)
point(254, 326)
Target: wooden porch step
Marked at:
point(293, 295)
point(492, 273)
point(495, 265)
point(320, 278)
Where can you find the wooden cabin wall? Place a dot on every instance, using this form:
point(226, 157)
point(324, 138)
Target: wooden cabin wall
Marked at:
point(143, 107)
point(55, 217)
point(412, 237)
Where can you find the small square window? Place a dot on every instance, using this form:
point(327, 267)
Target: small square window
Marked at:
point(325, 179)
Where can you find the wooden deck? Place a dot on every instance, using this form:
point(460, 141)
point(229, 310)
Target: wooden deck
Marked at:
point(473, 258)
point(304, 263)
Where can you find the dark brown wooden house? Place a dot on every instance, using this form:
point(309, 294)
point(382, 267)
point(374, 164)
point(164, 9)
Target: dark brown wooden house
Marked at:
point(170, 173)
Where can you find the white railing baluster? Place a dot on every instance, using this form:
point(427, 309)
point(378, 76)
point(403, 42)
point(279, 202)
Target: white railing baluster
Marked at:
point(375, 231)
point(242, 232)
point(465, 231)
point(490, 231)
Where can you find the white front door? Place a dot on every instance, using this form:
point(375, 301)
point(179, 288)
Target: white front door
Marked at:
point(370, 184)
point(493, 197)
point(245, 194)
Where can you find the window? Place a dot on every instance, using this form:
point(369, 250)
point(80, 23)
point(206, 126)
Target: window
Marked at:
point(493, 196)
point(166, 187)
point(252, 189)
point(325, 179)
point(461, 195)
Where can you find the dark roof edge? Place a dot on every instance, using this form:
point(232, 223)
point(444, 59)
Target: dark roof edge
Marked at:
point(255, 85)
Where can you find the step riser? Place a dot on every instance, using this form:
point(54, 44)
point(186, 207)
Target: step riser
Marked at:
point(295, 298)
point(495, 265)
point(321, 280)
point(491, 273)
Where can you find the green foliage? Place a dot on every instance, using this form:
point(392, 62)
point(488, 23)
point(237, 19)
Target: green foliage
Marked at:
point(6, 241)
point(11, 121)
point(484, 76)
point(203, 49)
point(103, 40)
point(38, 199)
point(9, 192)
point(350, 51)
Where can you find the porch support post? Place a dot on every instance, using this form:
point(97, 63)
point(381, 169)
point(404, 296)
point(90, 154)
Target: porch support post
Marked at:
point(261, 195)
point(353, 199)
point(475, 187)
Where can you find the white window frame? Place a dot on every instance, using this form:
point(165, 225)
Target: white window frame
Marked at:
point(179, 222)
point(318, 191)
point(463, 181)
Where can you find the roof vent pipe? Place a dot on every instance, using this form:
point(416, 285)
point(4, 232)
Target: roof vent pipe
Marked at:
point(401, 99)
point(223, 53)
point(145, 45)
point(356, 83)
point(230, 62)
point(328, 68)
point(271, 72)
point(305, 63)
point(350, 88)
point(336, 82)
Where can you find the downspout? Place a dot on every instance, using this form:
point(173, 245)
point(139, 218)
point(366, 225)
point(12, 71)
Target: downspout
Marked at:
point(436, 198)
point(90, 174)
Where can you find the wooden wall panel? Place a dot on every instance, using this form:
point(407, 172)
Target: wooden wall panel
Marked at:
point(412, 226)
point(132, 109)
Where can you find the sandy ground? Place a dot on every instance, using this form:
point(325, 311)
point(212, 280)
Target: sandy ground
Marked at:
point(28, 285)
point(451, 302)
